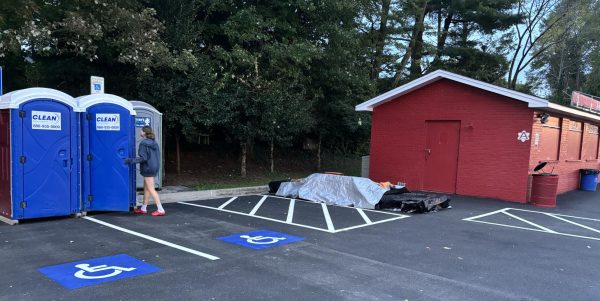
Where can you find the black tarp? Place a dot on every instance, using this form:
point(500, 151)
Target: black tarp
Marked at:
point(411, 202)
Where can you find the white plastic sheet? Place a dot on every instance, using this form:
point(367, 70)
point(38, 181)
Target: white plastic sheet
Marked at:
point(334, 190)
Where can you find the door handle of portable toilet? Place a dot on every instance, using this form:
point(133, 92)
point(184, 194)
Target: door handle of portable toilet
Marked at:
point(121, 152)
point(63, 153)
point(428, 151)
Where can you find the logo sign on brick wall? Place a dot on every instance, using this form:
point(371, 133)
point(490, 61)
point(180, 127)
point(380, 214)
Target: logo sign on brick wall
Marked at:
point(523, 136)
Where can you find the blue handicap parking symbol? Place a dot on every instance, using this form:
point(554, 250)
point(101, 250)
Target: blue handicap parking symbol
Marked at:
point(78, 274)
point(260, 239)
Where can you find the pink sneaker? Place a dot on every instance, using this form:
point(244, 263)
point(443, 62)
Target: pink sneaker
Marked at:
point(139, 211)
point(158, 213)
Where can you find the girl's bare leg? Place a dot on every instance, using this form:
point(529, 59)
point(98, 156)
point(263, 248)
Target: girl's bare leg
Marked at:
point(149, 183)
point(146, 193)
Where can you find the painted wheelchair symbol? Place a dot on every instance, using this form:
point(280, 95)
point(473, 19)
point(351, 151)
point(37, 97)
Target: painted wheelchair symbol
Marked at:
point(261, 240)
point(86, 268)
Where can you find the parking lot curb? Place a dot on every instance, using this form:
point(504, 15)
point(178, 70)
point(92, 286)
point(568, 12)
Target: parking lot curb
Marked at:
point(187, 196)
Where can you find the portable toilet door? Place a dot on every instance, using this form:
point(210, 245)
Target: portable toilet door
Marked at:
point(147, 115)
point(107, 138)
point(39, 160)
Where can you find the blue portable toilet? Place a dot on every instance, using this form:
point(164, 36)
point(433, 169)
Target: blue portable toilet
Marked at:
point(108, 136)
point(39, 154)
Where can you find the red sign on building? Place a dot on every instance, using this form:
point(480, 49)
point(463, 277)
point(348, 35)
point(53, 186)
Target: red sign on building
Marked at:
point(580, 100)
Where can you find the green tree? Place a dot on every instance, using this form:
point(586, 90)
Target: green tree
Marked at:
point(567, 63)
point(342, 78)
point(64, 42)
point(263, 55)
point(463, 37)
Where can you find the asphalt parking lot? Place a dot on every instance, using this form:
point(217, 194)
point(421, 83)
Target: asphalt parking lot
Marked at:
point(480, 249)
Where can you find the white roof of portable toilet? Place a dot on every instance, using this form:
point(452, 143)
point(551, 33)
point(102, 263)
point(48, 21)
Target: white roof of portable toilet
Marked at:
point(14, 99)
point(145, 105)
point(87, 101)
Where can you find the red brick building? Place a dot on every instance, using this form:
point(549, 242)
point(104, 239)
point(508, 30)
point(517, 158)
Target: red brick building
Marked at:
point(449, 133)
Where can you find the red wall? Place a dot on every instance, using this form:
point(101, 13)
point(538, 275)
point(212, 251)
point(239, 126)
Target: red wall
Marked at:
point(566, 166)
point(492, 162)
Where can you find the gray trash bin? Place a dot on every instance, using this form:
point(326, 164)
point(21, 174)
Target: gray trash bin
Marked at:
point(146, 114)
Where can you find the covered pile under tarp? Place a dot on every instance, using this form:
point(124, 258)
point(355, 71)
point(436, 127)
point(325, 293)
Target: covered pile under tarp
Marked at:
point(334, 190)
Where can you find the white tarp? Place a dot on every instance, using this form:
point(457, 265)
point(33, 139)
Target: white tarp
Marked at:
point(334, 190)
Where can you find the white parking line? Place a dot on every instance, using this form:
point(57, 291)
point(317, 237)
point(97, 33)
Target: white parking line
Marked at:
point(290, 215)
point(484, 215)
point(364, 216)
point(255, 216)
point(327, 218)
point(154, 239)
point(374, 223)
point(227, 203)
point(258, 205)
point(531, 223)
point(573, 223)
point(538, 228)
point(363, 209)
point(557, 214)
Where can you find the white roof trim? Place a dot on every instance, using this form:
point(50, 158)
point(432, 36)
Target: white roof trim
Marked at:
point(532, 101)
point(15, 99)
point(87, 101)
point(145, 105)
point(553, 107)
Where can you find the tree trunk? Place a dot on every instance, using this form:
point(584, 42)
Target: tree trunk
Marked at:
point(442, 35)
point(417, 29)
point(319, 153)
point(417, 53)
point(381, 37)
point(178, 152)
point(244, 149)
point(271, 157)
point(465, 34)
point(559, 77)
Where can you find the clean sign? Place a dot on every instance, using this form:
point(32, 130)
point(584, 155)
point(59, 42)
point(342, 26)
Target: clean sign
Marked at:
point(108, 122)
point(50, 121)
point(83, 273)
point(260, 239)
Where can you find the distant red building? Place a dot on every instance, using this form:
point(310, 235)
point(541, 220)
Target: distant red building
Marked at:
point(448, 133)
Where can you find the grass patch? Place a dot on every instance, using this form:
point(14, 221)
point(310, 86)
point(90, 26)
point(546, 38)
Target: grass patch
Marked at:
point(250, 180)
point(348, 165)
point(258, 175)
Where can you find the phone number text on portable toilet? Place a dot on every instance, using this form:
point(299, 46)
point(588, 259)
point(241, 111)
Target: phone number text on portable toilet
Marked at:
point(108, 122)
point(41, 120)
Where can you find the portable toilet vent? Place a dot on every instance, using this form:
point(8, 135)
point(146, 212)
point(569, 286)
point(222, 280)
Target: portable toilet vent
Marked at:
point(107, 135)
point(39, 154)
